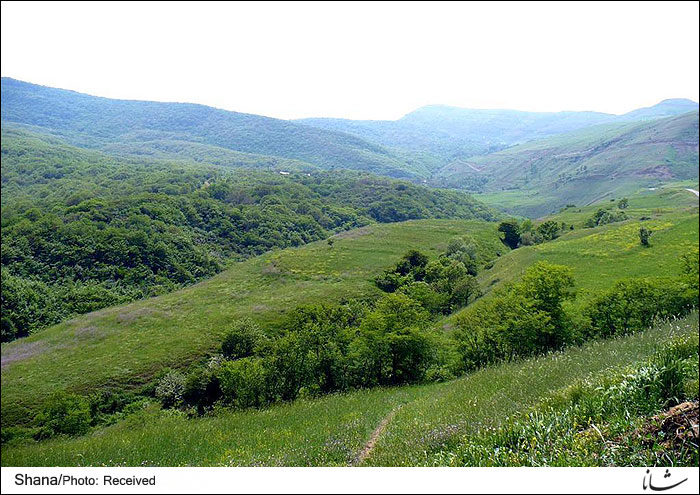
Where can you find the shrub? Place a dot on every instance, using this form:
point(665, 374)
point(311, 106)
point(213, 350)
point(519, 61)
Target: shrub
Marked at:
point(435, 302)
point(243, 382)
point(520, 320)
point(64, 414)
point(632, 305)
point(603, 216)
point(170, 388)
point(505, 326)
point(242, 340)
point(644, 235)
point(202, 388)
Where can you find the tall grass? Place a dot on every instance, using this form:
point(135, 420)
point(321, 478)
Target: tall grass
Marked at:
point(332, 430)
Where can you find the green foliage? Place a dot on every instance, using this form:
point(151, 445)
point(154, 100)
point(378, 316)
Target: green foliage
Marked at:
point(244, 339)
point(603, 217)
point(598, 422)
point(202, 133)
point(520, 320)
point(690, 265)
point(549, 230)
point(430, 427)
point(511, 233)
point(64, 414)
point(243, 382)
point(83, 230)
point(440, 285)
point(644, 235)
point(548, 286)
point(623, 203)
point(170, 389)
point(634, 304)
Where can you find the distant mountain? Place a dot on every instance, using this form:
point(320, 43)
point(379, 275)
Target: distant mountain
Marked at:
point(666, 108)
point(579, 167)
point(170, 129)
point(451, 133)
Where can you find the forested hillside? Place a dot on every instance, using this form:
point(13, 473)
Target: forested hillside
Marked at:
point(174, 130)
point(83, 230)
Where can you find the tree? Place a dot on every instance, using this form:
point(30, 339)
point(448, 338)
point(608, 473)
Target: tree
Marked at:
point(64, 413)
point(548, 286)
point(511, 233)
point(644, 235)
point(330, 242)
point(548, 230)
point(623, 203)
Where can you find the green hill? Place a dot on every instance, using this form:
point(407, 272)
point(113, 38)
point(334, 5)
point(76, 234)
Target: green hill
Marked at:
point(123, 346)
point(83, 230)
point(171, 129)
point(581, 167)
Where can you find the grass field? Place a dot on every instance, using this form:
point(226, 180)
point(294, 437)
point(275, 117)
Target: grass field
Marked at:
point(332, 430)
point(121, 347)
point(600, 256)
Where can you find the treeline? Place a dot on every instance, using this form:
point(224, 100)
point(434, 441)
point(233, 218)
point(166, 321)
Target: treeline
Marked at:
point(531, 317)
point(82, 231)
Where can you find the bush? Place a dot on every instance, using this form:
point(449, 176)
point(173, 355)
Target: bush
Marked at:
point(243, 382)
point(64, 414)
point(244, 339)
point(506, 326)
point(520, 320)
point(603, 216)
point(170, 388)
point(632, 305)
point(202, 387)
point(644, 235)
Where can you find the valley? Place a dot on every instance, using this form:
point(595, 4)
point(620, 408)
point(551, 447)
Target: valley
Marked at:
point(189, 286)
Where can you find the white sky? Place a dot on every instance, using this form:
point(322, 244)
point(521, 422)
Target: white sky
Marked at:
point(360, 61)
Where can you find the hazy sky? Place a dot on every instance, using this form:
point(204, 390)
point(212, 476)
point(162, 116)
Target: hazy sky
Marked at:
point(360, 61)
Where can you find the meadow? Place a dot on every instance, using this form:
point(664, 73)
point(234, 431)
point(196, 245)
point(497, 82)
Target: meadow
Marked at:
point(428, 421)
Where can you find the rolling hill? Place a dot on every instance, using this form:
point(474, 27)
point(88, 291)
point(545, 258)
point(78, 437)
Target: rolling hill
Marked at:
point(429, 424)
point(124, 346)
point(450, 133)
point(171, 130)
point(580, 167)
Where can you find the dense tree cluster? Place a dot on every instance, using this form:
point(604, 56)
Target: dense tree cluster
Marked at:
point(322, 349)
point(516, 234)
point(603, 217)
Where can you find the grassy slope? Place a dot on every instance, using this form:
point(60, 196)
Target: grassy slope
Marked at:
point(122, 346)
point(602, 255)
point(331, 430)
point(585, 165)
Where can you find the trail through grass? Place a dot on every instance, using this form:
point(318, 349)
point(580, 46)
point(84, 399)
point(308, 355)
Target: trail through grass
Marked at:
point(334, 429)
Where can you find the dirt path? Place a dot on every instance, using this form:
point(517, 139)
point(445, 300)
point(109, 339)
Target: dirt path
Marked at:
point(694, 192)
point(369, 446)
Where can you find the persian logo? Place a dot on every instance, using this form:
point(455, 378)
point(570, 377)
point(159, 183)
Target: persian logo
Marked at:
point(660, 488)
